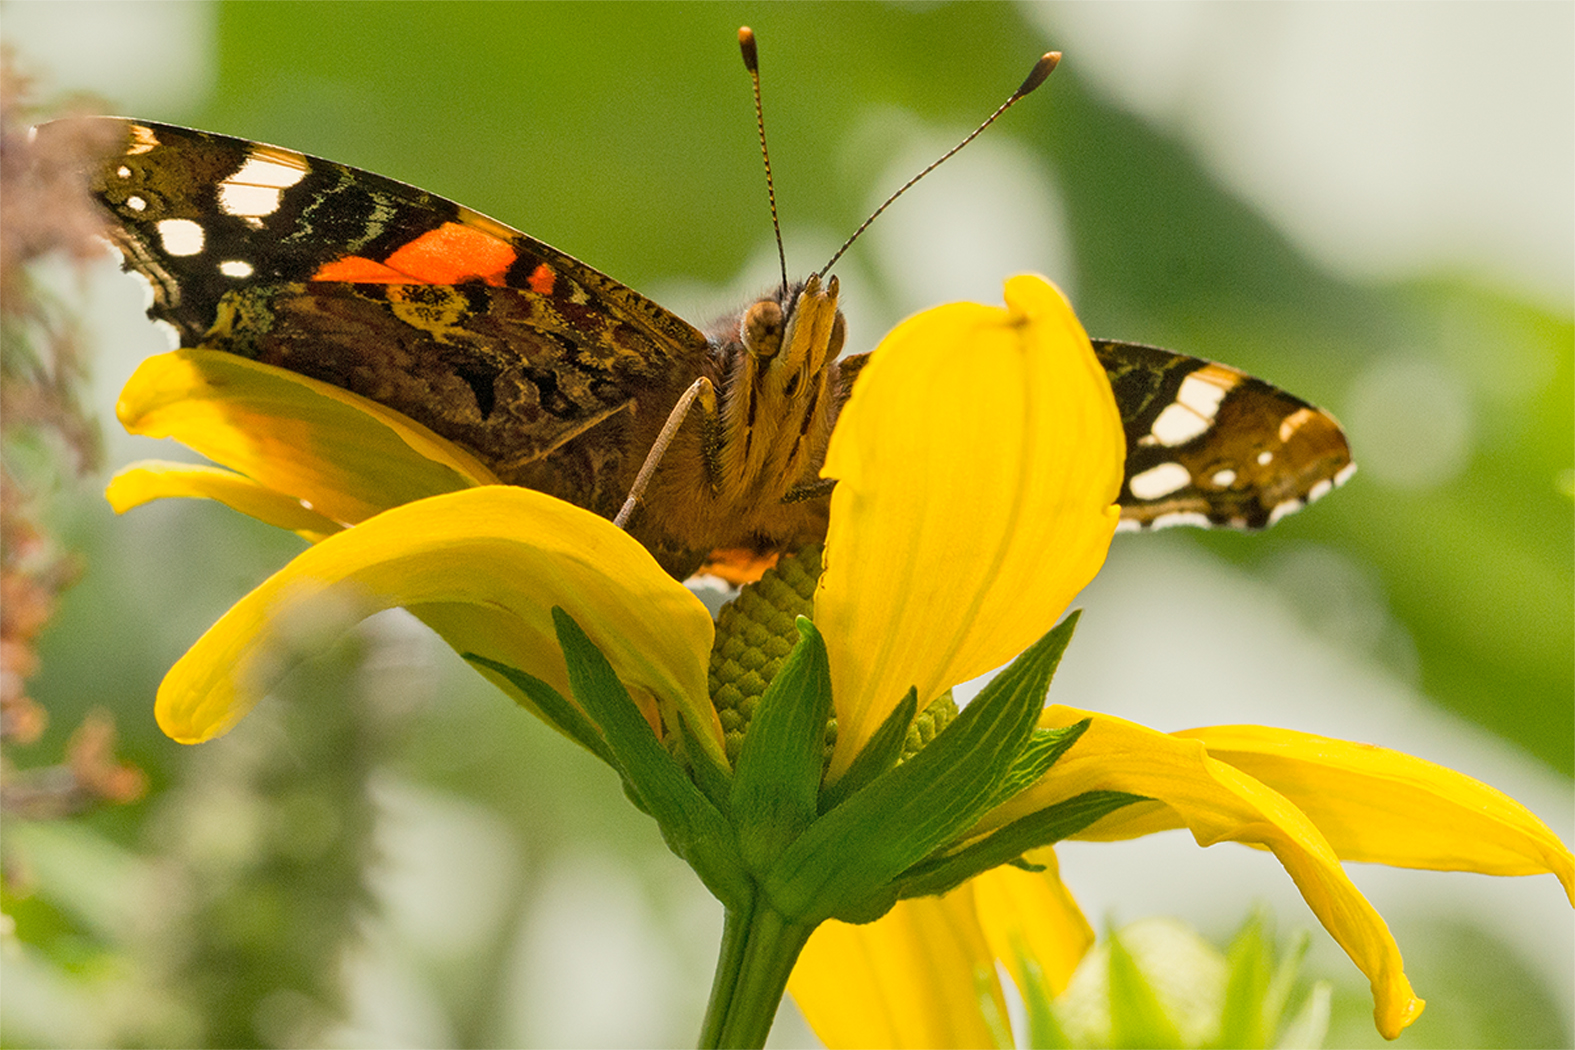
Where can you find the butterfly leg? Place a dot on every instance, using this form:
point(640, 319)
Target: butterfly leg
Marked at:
point(700, 390)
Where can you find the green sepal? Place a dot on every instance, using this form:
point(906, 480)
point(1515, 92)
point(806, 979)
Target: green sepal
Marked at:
point(878, 755)
point(777, 782)
point(552, 706)
point(1008, 844)
point(694, 829)
point(1044, 748)
point(843, 865)
point(714, 780)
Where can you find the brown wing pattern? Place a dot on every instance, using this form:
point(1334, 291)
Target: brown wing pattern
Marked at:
point(488, 336)
point(1210, 445)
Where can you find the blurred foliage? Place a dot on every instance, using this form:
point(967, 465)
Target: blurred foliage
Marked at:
point(1157, 983)
point(624, 134)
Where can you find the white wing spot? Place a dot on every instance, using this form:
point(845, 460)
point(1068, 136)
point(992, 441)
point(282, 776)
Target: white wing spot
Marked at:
point(1290, 506)
point(1178, 424)
point(238, 268)
point(122, 172)
point(1202, 394)
point(1197, 401)
point(136, 204)
point(1223, 478)
point(181, 236)
point(1181, 517)
point(1265, 458)
point(1295, 421)
point(258, 185)
point(1156, 482)
point(1318, 490)
point(247, 202)
point(1345, 474)
point(143, 140)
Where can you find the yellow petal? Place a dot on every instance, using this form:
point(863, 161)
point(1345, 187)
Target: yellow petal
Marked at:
point(490, 563)
point(976, 465)
point(154, 479)
point(342, 455)
point(920, 976)
point(1031, 916)
point(1382, 806)
point(1219, 803)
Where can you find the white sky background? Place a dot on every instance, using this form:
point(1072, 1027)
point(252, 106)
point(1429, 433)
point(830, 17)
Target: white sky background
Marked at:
point(1388, 141)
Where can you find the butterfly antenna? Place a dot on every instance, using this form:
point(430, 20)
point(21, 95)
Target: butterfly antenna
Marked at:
point(746, 44)
point(1042, 69)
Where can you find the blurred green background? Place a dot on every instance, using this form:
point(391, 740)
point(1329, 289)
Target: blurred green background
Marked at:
point(390, 854)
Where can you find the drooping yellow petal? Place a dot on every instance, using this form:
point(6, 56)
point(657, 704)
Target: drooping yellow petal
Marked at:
point(922, 975)
point(1030, 916)
point(343, 456)
point(157, 479)
point(490, 563)
point(1219, 803)
point(976, 465)
point(1377, 805)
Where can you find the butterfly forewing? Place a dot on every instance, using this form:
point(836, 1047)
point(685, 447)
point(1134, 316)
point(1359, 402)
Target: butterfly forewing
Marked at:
point(482, 333)
point(1210, 445)
point(560, 378)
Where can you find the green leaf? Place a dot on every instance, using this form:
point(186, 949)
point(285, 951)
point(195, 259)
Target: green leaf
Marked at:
point(1137, 1018)
point(1047, 826)
point(1310, 1026)
point(694, 829)
point(777, 782)
point(843, 866)
point(879, 754)
point(1243, 1018)
point(1044, 1028)
point(1278, 993)
point(552, 706)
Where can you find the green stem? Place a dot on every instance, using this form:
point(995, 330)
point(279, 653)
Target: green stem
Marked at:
point(759, 949)
point(735, 933)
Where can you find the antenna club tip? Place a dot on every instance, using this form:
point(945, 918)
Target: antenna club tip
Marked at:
point(1042, 69)
point(746, 45)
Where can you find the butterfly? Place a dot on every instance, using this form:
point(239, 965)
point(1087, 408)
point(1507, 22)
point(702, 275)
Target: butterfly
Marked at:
point(562, 379)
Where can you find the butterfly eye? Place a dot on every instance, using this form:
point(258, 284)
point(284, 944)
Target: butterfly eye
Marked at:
point(761, 329)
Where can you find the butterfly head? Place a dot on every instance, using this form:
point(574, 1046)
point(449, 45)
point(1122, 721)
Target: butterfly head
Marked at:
point(778, 358)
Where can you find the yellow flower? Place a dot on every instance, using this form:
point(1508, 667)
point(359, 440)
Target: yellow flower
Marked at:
point(961, 526)
point(1314, 802)
point(966, 516)
point(300, 454)
point(481, 563)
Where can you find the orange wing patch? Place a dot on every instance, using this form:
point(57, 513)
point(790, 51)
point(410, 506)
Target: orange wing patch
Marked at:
point(737, 565)
point(541, 279)
point(450, 254)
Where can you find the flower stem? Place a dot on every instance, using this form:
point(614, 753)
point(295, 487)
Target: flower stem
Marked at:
point(759, 949)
